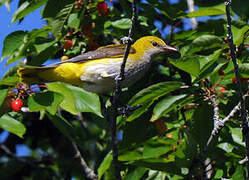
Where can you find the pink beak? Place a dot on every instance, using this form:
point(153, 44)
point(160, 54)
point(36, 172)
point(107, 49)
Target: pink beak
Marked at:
point(170, 49)
point(172, 52)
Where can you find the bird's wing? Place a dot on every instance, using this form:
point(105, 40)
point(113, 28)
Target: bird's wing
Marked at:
point(110, 51)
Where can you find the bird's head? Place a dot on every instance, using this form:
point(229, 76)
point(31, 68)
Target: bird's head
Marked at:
point(153, 46)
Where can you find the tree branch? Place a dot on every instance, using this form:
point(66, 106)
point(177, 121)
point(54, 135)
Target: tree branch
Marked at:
point(243, 112)
point(218, 125)
point(88, 171)
point(117, 92)
point(31, 162)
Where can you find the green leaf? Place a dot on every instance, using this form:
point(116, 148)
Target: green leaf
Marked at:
point(210, 66)
point(86, 101)
point(105, 165)
point(130, 156)
point(189, 64)
point(9, 81)
point(48, 101)
point(12, 70)
point(3, 94)
point(10, 124)
point(153, 92)
point(26, 8)
point(73, 20)
point(226, 147)
point(205, 42)
point(147, 96)
point(218, 174)
point(202, 125)
point(243, 70)
point(6, 3)
point(237, 136)
point(161, 164)
point(166, 105)
point(12, 43)
point(44, 55)
point(42, 44)
point(124, 23)
point(61, 19)
point(239, 34)
point(210, 11)
point(76, 99)
point(155, 148)
point(136, 174)
point(68, 102)
point(139, 111)
point(24, 45)
point(53, 7)
point(238, 174)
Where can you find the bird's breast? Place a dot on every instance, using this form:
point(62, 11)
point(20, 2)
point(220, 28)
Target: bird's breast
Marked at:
point(99, 75)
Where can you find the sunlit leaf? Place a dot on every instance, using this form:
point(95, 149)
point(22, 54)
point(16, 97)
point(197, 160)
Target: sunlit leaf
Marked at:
point(124, 23)
point(12, 43)
point(189, 64)
point(10, 124)
point(206, 12)
point(48, 101)
point(76, 99)
point(105, 165)
point(3, 94)
point(166, 105)
point(26, 8)
point(147, 96)
point(136, 174)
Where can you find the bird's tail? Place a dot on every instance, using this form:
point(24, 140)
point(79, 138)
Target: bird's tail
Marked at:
point(31, 75)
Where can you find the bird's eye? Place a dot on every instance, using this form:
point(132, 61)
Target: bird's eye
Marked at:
point(154, 43)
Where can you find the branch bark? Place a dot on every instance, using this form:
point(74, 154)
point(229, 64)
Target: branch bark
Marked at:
point(87, 170)
point(218, 125)
point(117, 91)
point(243, 112)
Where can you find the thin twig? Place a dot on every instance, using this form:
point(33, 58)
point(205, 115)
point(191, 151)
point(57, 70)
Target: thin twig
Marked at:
point(243, 112)
point(218, 125)
point(208, 168)
point(117, 92)
point(31, 162)
point(88, 171)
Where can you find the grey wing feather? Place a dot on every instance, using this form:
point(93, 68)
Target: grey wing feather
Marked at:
point(103, 52)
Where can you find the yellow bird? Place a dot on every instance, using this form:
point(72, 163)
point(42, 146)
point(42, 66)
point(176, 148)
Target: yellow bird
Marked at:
point(96, 71)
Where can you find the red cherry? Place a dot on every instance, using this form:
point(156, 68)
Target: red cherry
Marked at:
point(103, 8)
point(233, 80)
point(221, 73)
point(68, 44)
point(16, 105)
point(222, 90)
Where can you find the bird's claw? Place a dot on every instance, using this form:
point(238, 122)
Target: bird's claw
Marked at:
point(126, 40)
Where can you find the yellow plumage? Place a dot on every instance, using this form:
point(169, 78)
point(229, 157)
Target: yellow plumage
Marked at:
point(96, 70)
